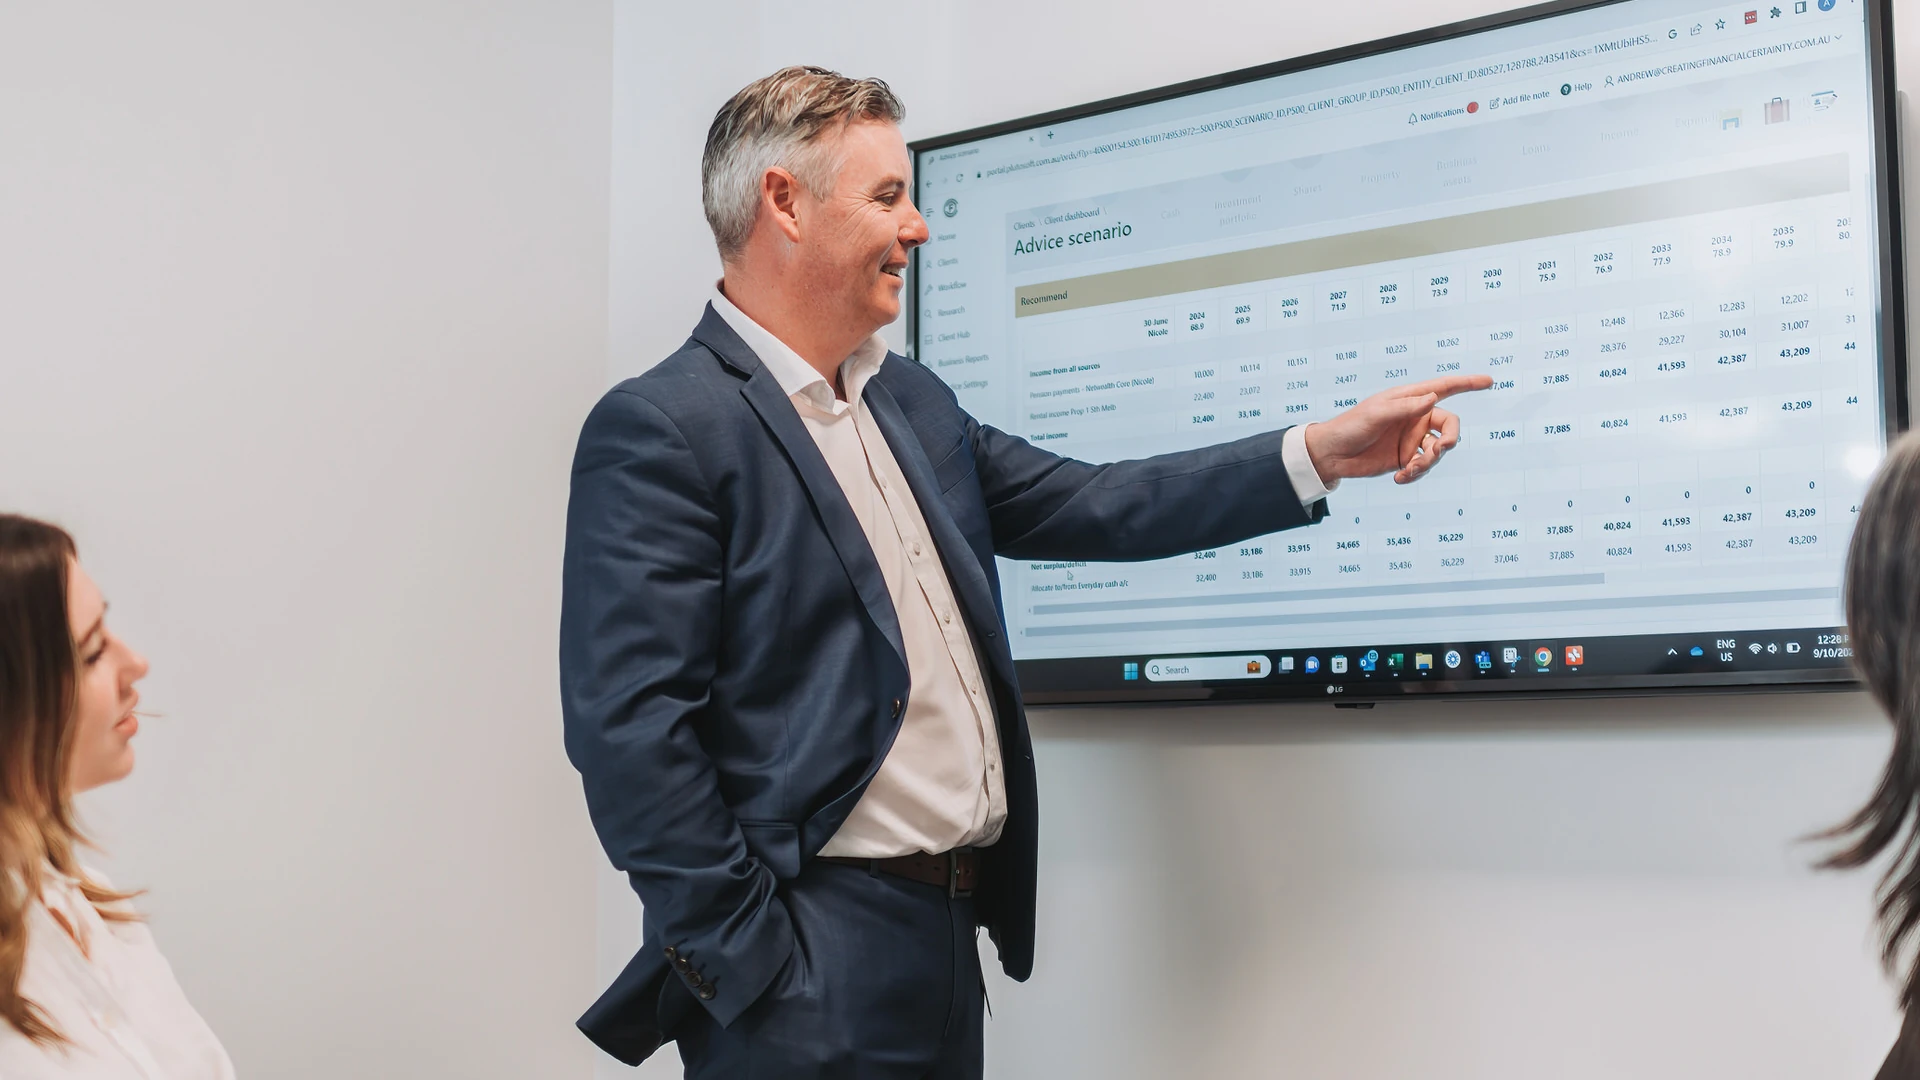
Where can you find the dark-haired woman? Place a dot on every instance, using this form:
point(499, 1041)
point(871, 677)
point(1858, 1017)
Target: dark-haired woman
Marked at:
point(1883, 623)
point(84, 994)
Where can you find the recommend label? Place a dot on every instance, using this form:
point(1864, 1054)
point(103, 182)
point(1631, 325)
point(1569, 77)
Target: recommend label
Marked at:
point(1752, 186)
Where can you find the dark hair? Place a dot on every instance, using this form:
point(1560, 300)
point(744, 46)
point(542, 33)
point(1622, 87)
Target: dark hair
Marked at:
point(1882, 594)
point(39, 668)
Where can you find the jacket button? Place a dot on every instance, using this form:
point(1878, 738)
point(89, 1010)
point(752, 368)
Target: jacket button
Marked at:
point(694, 978)
point(706, 992)
point(672, 952)
point(896, 707)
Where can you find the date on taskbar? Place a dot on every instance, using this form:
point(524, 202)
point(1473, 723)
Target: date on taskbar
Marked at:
point(1640, 655)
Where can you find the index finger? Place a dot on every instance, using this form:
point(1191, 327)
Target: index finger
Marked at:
point(1447, 385)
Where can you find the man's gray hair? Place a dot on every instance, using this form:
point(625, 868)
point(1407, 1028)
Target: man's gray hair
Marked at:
point(780, 121)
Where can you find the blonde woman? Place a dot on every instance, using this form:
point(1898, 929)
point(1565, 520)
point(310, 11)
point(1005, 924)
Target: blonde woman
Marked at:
point(84, 994)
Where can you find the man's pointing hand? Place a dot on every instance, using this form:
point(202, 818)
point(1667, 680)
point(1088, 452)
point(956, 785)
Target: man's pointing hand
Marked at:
point(1401, 430)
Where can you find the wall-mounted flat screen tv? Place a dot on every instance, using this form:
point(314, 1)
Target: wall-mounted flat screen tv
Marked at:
point(1667, 229)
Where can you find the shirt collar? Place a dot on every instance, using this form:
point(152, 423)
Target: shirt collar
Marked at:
point(796, 377)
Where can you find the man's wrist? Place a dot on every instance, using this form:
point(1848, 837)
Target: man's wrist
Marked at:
point(1311, 444)
point(1325, 465)
point(1309, 482)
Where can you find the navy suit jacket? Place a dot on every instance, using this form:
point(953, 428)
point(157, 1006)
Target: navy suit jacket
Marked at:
point(731, 667)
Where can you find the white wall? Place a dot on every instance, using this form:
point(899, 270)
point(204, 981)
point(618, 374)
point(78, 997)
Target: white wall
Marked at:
point(1498, 891)
point(300, 308)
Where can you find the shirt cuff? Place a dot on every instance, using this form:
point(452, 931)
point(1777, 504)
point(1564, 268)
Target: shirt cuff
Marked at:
point(1306, 480)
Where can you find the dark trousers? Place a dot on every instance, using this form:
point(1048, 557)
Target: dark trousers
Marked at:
point(884, 984)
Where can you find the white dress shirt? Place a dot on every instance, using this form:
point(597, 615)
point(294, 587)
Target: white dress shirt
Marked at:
point(940, 786)
point(117, 1003)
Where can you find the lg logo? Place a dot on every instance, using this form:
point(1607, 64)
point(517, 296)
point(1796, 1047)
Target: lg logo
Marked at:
point(1336, 688)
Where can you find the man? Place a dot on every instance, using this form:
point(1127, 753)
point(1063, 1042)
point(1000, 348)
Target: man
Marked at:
point(786, 677)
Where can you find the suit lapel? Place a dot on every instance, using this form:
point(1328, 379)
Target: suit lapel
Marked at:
point(763, 392)
point(963, 566)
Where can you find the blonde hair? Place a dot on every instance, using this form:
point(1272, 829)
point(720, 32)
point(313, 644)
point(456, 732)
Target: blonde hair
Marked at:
point(39, 674)
point(778, 122)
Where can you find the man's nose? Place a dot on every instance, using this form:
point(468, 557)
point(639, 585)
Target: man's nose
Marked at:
point(913, 232)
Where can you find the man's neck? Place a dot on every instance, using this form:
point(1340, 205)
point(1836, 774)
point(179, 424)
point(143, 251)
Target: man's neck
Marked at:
point(790, 318)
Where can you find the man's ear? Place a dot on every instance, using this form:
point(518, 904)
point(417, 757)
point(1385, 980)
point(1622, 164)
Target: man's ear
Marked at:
point(780, 198)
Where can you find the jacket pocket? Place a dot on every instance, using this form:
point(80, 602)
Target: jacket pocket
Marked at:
point(775, 843)
point(956, 465)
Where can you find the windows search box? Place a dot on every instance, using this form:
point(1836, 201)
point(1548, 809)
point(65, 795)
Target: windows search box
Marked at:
point(1206, 668)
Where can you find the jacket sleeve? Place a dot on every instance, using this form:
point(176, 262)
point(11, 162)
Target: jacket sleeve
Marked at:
point(639, 632)
point(1044, 506)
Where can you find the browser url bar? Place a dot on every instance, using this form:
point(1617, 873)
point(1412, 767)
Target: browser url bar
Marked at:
point(1416, 87)
point(1609, 80)
point(1731, 56)
point(1564, 65)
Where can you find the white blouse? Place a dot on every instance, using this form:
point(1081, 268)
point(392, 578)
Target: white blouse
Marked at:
point(118, 1004)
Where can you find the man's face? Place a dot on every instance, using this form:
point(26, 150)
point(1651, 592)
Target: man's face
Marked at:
point(855, 242)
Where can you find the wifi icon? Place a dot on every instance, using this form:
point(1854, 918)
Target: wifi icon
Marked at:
point(1753, 647)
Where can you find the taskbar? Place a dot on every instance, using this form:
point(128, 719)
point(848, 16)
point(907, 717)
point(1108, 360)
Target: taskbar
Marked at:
point(1813, 655)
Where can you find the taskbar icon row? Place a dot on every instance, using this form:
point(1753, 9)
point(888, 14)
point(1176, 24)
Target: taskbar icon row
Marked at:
point(1387, 662)
point(1422, 662)
point(1640, 654)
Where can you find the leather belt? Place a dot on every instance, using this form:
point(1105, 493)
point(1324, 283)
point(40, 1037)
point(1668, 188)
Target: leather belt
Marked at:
point(956, 871)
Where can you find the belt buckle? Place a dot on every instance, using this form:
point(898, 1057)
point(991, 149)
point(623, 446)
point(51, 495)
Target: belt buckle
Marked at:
point(953, 873)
